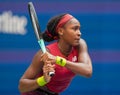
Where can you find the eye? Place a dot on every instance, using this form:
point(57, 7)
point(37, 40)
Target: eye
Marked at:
point(76, 28)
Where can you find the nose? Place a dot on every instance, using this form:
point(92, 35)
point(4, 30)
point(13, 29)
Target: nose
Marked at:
point(79, 33)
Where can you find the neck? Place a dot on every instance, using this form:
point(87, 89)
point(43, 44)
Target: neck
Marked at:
point(64, 48)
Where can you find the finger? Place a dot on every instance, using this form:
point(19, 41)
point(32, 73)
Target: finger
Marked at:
point(47, 62)
point(44, 57)
point(48, 68)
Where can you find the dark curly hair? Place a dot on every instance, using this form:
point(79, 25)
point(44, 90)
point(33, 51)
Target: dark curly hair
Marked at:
point(50, 33)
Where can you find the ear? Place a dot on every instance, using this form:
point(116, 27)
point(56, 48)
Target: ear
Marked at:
point(60, 31)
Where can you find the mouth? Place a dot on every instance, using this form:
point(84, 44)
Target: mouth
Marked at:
point(77, 39)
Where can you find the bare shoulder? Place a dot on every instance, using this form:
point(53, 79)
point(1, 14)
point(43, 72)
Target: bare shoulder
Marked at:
point(35, 67)
point(37, 56)
point(83, 52)
point(82, 41)
point(36, 62)
point(82, 44)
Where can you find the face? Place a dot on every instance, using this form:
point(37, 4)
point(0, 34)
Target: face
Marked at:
point(71, 32)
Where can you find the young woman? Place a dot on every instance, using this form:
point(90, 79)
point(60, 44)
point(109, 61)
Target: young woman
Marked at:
point(66, 57)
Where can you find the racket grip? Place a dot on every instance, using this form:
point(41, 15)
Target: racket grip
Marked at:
point(42, 45)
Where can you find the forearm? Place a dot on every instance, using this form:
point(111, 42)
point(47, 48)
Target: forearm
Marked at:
point(79, 68)
point(27, 85)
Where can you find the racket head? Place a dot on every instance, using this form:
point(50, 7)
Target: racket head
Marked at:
point(34, 20)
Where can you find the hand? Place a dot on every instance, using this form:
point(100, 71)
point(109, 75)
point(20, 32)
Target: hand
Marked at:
point(48, 57)
point(48, 67)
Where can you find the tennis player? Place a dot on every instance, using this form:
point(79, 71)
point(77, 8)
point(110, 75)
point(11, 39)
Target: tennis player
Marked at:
point(66, 55)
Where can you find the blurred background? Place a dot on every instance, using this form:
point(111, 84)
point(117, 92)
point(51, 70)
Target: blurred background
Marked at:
point(100, 22)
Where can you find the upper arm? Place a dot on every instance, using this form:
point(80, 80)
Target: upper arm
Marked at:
point(83, 55)
point(34, 68)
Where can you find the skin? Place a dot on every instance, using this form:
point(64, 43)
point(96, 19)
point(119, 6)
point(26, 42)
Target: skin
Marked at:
point(69, 36)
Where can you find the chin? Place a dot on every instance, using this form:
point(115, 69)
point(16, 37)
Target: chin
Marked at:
point(76, 44)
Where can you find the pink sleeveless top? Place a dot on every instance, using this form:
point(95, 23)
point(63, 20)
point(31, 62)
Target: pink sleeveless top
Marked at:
point(62, 78)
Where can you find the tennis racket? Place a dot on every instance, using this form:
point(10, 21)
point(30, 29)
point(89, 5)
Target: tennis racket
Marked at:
point(37, 30)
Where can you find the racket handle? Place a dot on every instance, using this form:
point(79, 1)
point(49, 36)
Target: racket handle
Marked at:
point(42, 45)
